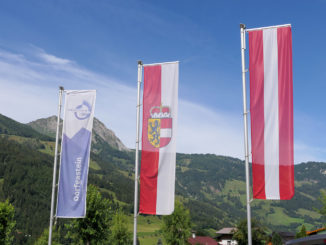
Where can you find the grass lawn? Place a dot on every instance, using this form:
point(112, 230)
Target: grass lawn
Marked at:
point(280, 218)
point(310, 213)
point(147, 229)
point(94, 165)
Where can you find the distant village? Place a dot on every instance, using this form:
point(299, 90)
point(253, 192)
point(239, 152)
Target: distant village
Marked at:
point(224, 236)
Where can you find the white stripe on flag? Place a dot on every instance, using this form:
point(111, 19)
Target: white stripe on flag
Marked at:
point(271, 134)
point(167, 154)
point(166, 133)
point(271, 107)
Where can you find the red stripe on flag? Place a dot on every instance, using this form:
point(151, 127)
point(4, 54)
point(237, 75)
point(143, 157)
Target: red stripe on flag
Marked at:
point(256, 65)
point(285, 97)
point(166, 123)
point(164, 141)
point(150, 154)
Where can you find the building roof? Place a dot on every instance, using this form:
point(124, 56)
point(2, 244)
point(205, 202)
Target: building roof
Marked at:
point(309, 240)
point(227, 230)
point(286, 234)
point(309, 233)
point(204, 240)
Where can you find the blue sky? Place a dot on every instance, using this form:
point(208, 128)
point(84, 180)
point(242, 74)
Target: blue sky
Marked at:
point(95, 44)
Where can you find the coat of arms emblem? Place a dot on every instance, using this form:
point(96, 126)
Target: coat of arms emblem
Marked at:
point(160, 126)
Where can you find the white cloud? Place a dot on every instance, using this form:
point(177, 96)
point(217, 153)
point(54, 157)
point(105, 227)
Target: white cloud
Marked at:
point(29, 90)
point(306, 153)
point(202, 130)
point(53, 59)
point(26, 102)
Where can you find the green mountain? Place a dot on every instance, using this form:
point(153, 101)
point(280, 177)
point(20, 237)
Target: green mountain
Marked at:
point(212, 187)
point(25, 179)
point(9, 126)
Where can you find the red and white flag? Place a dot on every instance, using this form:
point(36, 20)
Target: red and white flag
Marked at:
point(158, 157)
point(271, 109)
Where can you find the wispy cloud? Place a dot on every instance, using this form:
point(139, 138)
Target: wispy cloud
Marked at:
point(306, 153)
point(29, 90)
point(53, 59)
point(202, 130)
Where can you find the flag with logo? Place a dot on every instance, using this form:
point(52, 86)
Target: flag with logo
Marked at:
point(75, 153)
point(158, 158)
point(271, 109)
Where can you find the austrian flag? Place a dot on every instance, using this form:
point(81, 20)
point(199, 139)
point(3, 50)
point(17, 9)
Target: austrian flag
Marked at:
point(271, 109)
point(157, 172)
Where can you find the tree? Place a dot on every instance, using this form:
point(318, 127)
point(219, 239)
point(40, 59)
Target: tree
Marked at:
point(94, 228)
point(302, 232)
point(322, 198)
point(257, 233)
point(7, 222)
point(276, 239)
point(44, 238)
point(177, 227)
point(119, 230)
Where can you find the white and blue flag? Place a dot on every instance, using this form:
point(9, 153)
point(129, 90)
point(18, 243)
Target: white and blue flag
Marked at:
point(75, 153)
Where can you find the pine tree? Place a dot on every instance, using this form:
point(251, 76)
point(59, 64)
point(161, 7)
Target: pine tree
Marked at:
point(257, 233)
point(44, 238)
point(119, 230)
point(94, 228)
point(302, 232)
point(276, 239)
point(177, 227)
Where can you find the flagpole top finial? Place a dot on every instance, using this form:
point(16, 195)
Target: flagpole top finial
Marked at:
point(140, 62)
point(61, 88)
point(242, 26)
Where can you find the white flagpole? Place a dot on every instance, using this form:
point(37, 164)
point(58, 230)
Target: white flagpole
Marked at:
point(245, 120)
point(61, 89)
point(140, 66)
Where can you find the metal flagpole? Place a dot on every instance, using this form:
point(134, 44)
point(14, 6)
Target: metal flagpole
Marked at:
point(61, 89)
point(140, 66)
point(245, 120)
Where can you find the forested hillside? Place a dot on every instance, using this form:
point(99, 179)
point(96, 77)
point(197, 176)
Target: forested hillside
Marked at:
point(26, 182)
point(211, 186)
point(214, 190)
point(11, 127)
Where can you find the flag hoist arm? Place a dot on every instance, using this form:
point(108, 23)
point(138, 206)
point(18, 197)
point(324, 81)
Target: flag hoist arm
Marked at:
point(140, 67)
point(266, 27)
point(245, 121)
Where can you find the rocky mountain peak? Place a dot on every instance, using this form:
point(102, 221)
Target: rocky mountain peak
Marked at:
point(107, 135)
point(48, 127)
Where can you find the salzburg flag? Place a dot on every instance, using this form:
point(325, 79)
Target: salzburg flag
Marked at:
point(271, 108)
point(75, 153)
point(158, 158)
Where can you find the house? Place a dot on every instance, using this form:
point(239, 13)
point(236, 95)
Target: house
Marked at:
point(201, 240)
point(314, 232)
point(224, 236)
point(314, 237)
point(286, 236)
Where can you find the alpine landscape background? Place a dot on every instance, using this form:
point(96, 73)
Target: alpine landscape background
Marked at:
point(212, 187)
